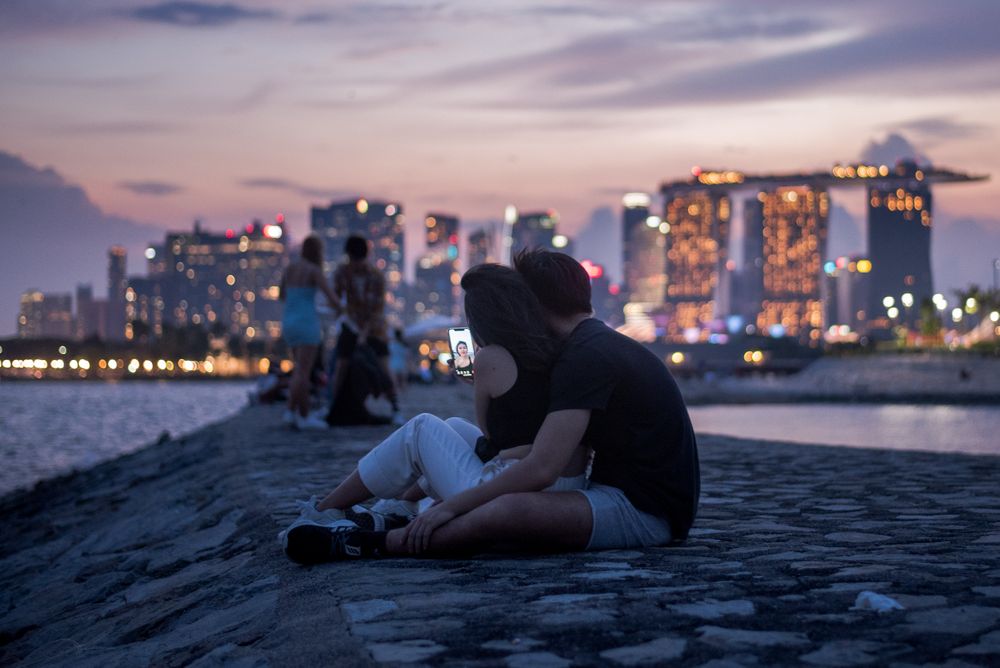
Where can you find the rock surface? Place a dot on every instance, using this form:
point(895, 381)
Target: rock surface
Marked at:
point(168, 557)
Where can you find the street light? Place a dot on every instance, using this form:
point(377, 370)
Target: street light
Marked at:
point(956, 314)
point(888, 301)
point(907, 299)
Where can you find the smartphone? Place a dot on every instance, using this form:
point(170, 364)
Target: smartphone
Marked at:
point(462, 351)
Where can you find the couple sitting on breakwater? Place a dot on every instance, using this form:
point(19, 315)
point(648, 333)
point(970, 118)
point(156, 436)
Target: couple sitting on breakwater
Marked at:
point(552, 386)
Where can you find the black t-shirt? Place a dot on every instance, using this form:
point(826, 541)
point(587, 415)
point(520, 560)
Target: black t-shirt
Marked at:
point(514, 418)
point(639, 427)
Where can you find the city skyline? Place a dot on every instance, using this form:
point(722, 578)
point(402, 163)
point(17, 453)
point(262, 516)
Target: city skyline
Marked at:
point(234, 112)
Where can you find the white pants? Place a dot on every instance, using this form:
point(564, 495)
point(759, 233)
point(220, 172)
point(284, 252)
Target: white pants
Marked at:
point(440, 454)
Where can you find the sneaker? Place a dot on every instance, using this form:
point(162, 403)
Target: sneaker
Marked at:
point(307, 510)
point(397, 419)
point(307, 543)
point(372, 520)
point(405, 509)
point(288, 418)
point(323, 523)
point(312, 422)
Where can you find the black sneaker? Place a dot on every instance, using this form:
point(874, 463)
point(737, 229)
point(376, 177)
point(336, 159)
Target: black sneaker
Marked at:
point(315, 544)
point(372, 520)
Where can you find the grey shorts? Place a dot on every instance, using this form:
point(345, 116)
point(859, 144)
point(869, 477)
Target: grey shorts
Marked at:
point(619, 524)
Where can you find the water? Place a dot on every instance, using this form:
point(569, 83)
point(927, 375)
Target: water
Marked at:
point(49, 428)
point(968, 429)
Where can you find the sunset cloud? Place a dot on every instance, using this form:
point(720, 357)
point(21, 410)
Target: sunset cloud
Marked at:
point(200, 14)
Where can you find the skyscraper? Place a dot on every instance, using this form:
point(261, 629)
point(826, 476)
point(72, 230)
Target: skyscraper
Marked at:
point(748, 285)
point(90, 313)
point(899, 245)
point(144, 307)
point(533, 230)
point(117, 282)
point(643, 251)
point(437, 274)
point(45, 316)
point(696, 244)
point(795, 221)
point(845, 294)
point(482, 246)
point(228, 282)
point(379, 222)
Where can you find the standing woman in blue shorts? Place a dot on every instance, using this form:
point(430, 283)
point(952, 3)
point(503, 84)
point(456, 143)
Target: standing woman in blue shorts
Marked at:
point(301, 327)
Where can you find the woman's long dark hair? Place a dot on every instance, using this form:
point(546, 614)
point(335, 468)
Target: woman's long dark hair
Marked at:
point(312, 250)
point(502, 310)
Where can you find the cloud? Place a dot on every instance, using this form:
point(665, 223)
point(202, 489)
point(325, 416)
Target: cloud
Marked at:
point(940, 127)
point(633, 54)
point(66, 229)
point(256, 97)
point(893, 148)
point(296, 188)
point(152, 188)
point(200, 14)
point(119, 128)
point(754, 53)
point(865, 60)
point(371, 12)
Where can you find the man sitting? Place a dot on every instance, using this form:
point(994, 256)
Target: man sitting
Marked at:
point(608, 392)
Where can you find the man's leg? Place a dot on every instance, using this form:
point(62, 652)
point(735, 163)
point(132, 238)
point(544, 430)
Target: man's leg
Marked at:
point(344, 350)
point(524, 522)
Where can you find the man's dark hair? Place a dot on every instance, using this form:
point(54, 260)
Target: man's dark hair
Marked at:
point(356, 247)
point(560, 282)
point(502, 310)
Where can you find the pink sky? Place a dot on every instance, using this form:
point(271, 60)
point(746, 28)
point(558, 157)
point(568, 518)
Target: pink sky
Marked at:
point(164, 112)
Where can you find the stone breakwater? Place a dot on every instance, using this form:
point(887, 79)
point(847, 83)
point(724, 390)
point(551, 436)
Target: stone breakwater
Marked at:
point(911, 378)
point(168, 557)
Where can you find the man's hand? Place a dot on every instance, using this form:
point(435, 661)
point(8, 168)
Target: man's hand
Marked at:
point(417, 535)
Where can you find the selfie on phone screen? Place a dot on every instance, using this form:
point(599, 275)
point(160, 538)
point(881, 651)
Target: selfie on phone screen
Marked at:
point(460, 339)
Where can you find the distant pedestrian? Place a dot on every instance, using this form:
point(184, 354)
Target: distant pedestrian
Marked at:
point(360, 290)
point(301, 328)
point(399, 359)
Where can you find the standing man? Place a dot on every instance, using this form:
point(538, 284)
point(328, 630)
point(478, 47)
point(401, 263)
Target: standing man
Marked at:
point(360, 287)
point(608, 392)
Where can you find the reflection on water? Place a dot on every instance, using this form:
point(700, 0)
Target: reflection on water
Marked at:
point(49, 428)
point(970, 429)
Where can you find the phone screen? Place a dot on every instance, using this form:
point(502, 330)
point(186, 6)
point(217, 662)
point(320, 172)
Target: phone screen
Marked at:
point(462, 352)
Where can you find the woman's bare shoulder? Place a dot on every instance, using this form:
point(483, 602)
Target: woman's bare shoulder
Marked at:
point(495, 366)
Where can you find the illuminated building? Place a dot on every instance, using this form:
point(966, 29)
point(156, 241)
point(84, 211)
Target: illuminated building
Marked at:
point(845, 295)
point(606, 298)
point(144, 307)
point(697, 235)
point(533, 230)
point(117, 282)
point(227, 283)
point(156, 261)
point(899, 243)
point(482, 246)
point(795, 221)
point(748, 284)
point(643, 250)
point(379, 222)
point(899, 205)
point(45, 316)
point(91, 314)
point(436, 290)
